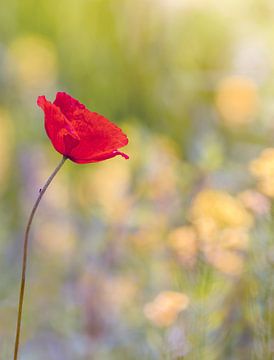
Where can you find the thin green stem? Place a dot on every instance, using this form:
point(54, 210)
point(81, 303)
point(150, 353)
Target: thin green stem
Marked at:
point(25, 255)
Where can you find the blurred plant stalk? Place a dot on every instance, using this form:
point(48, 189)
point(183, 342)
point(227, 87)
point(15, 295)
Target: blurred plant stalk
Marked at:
point(25, 256)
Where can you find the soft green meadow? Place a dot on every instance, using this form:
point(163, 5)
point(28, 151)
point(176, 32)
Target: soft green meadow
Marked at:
point(168, 255)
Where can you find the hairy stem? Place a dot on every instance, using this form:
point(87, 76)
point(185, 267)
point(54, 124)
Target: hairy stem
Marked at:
point(25, 255)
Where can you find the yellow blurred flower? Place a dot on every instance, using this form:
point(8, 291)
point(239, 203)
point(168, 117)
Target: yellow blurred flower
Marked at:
point(263, 166)
point(237, 100)
point(222, 223)
point(263, 169)
point(33, 59)
point(207, 228)
point(183, 242)
point(164, 309)
point(225, 249)
point(255, 201)
point(266, 186)
point(226, 261)
point(234, 239)
point(214, 209)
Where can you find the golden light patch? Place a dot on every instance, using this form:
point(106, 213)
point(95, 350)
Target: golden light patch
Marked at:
point(237, 100)
point(164, 309)
point(183, 242)
point(32, 58)
point(219, 210)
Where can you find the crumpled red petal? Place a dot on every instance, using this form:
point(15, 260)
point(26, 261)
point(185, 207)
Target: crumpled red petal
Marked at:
point(78, 133)
point(57, 127)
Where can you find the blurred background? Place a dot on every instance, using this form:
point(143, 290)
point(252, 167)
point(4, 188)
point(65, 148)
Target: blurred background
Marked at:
point(170, 254)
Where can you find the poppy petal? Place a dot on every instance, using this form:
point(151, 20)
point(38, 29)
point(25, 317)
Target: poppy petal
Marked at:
point(57, 127)
point(100, 157)
point(68, 105)
point(78, 133)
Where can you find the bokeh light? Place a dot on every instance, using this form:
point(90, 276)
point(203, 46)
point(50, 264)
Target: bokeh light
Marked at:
point(237, 100)
point(163, 310)
point(32, 60)
point(166, 255)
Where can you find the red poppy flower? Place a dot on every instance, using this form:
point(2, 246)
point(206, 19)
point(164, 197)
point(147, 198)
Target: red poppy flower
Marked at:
point(79, 134)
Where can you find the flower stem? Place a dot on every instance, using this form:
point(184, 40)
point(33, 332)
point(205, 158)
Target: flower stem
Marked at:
point(25, 254)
